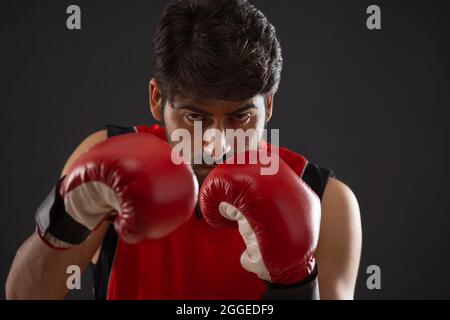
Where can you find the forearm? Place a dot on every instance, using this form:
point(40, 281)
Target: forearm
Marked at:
point(37, 272)
point(333, 290)
point(40, 272)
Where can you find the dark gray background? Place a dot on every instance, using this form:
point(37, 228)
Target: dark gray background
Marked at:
point(372, 105)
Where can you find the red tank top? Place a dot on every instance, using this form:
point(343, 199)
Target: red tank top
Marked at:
point(194, 262)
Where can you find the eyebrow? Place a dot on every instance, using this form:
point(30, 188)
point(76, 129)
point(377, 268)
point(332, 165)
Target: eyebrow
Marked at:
point(203, 112)
point(192, 108)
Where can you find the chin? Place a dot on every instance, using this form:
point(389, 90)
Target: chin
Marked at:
point(201, 173)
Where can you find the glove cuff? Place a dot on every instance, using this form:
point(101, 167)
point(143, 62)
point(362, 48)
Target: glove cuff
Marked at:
point(55, 226)
point(307, 289)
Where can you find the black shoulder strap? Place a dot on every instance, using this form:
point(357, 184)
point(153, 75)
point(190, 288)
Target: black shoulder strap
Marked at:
point(102, 269)
point(115, 130)
point(317, 177)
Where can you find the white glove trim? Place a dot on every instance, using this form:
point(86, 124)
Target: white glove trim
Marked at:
point(90, 202)
point(251, 258)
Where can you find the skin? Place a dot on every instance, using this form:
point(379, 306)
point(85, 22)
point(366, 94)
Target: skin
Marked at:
point(246, 114)
point(339, 247)
point(39, 272)
point(340, 240)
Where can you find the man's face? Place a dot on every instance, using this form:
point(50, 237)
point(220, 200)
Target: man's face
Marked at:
point(214, 114)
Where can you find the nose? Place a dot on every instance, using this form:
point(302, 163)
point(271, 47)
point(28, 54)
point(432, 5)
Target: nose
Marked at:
point(215, 144)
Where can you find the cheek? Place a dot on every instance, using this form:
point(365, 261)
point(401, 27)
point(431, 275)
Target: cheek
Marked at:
point(261, 121)
point(172, 120)
point(170, 124)
point(257, 122)
point(262, 116)
point(174, 123)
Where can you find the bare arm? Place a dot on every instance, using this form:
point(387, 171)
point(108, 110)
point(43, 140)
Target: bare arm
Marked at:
point(339, 247)
point(38, 271)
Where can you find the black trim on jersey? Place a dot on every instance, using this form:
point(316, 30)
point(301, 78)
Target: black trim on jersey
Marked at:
point(114, 130)
point(316, 177)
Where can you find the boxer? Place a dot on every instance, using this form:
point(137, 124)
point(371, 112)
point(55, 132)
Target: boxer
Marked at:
point(150, 228)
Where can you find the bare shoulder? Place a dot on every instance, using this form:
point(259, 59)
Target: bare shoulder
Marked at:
point(340, 241)
point(338, 195)
point(84, 146)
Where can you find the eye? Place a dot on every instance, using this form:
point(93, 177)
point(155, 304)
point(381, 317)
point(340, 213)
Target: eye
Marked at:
point(241, 118)
point(192, 117)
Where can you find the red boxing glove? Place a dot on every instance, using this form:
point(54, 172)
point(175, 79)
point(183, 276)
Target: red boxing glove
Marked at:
point(131, 176)
point(278, 217)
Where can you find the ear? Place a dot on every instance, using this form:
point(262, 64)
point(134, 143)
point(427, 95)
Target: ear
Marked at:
point(269, 107)
point(155, 99)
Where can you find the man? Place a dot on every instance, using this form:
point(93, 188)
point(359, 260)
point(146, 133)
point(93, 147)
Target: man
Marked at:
point(217, 63)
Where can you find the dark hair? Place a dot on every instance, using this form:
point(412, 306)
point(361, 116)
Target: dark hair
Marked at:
point(224, 49)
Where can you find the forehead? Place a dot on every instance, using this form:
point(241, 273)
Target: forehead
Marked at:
point(218, 105)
